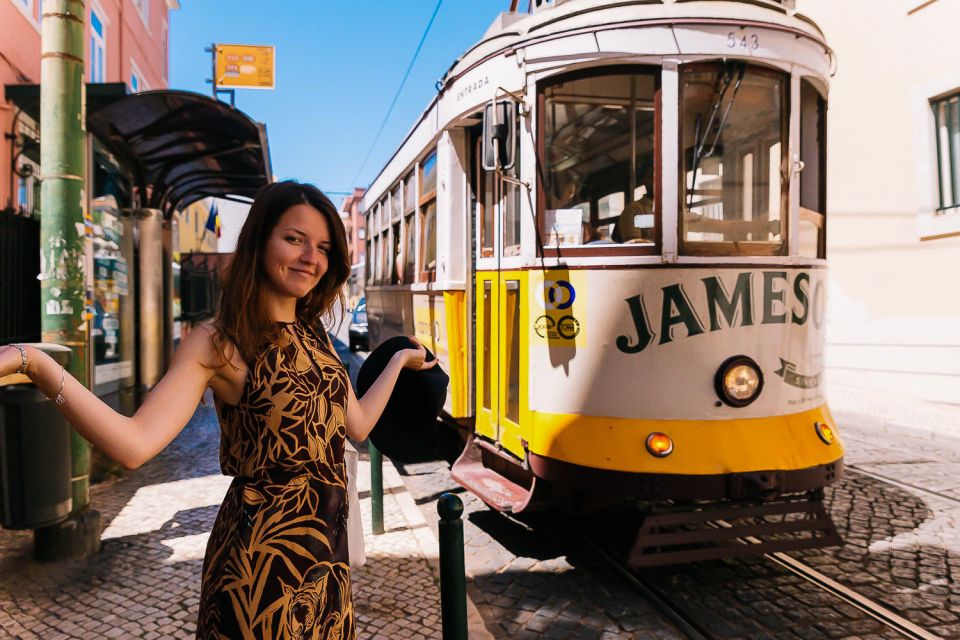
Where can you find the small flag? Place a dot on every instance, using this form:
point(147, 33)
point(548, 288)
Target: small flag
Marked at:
point(213, 220)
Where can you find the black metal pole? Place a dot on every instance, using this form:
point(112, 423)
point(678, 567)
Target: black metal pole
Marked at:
point(453, 578)
point(376, 488)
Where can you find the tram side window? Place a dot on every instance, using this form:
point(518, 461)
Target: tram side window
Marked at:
point(409, 194)
point(428, 214)
point(409, 253)
point(408, 273)
point(396, 204)
point(368, 257)
point(511, 209)
point(599, 144)
point(813, 206)
point(733, 153)
point(396, 264)
point(485, 187)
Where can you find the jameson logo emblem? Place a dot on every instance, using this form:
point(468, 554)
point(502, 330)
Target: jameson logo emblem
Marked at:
point(779, 301)
point(788, 371)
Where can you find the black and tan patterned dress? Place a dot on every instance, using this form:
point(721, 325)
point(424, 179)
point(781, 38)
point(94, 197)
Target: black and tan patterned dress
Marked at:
point(276, 564)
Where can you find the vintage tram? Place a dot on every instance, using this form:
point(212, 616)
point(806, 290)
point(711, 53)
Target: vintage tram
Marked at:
point(610, 226)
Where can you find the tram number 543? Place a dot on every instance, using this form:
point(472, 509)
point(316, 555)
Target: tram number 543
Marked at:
point(748, 41)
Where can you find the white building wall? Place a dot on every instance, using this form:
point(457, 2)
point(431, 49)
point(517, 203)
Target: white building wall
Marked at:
point(232, 217)
point(894, 314)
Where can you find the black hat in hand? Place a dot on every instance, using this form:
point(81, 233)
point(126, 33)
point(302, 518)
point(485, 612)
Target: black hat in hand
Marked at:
point(407, 430)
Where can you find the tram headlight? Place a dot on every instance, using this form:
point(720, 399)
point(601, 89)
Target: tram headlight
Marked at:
point(659, 444)
point(825, 432)
point(738, 381)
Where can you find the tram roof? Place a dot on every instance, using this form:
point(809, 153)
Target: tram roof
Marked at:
point(513, 30)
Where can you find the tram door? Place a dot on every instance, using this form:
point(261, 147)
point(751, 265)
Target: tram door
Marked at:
point(497, 308)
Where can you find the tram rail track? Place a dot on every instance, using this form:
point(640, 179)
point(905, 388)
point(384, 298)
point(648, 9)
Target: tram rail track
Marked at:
point(690, 623)
point(879, 477)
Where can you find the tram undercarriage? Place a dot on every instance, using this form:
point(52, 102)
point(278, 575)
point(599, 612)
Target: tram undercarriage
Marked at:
point(706, 518)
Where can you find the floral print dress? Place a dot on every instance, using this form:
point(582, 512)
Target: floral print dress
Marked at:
point(276, 564)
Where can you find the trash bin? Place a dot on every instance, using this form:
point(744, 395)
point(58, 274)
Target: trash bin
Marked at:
point(34, 453)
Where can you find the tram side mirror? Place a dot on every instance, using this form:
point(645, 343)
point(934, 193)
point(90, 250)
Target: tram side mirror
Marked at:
point(499, 135)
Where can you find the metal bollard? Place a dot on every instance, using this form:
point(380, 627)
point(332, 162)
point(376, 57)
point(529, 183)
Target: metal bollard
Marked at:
point(453, 578)
point(376, 488)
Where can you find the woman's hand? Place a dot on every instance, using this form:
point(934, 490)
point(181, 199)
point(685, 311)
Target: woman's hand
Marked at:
point(415, 358)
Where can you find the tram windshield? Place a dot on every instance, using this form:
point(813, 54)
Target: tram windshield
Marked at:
point(599, 150)
point(734, 144)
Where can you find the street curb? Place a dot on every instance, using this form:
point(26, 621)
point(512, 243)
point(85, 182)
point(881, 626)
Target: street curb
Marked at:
point(429, 545)
point(426, 540)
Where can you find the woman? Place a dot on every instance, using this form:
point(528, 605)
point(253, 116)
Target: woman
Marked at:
point(276, 562)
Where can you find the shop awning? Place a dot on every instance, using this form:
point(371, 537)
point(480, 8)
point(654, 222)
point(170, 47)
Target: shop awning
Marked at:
point(180, 146)
point(184, 147)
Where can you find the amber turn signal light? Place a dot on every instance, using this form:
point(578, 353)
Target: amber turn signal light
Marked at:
point(824, 432)
point(659, 444)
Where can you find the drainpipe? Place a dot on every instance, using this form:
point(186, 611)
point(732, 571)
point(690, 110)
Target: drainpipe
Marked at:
point(66, 247)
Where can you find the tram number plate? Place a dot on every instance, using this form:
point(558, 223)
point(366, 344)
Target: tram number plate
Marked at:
point(749, 41)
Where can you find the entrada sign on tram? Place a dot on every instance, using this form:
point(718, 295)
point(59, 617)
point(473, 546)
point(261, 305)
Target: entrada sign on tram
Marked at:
point(243, 66)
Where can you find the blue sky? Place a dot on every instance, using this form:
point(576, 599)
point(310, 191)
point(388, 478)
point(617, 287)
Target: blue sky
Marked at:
point(339, 64)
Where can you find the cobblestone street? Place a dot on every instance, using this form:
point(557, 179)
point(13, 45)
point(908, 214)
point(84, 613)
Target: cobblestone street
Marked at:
point(145, 582)
point(898, 509)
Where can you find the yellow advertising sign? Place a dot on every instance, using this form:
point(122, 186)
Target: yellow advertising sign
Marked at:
point(245, 66)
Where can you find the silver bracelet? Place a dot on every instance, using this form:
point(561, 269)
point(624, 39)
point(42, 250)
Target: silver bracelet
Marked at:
point(23, 357)
point(59, 399)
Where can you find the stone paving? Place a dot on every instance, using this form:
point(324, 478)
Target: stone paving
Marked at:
point(146, 580)
point(527, 584)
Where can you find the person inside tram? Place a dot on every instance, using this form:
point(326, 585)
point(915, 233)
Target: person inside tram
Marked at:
point(285, 406)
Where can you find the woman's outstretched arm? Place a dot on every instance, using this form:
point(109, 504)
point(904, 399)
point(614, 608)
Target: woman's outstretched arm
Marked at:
point(129, 441)
point(363, 414)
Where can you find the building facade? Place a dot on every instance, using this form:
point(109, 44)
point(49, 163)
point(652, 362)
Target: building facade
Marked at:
point(126, 41)
point(894, 195)
point(355, 224)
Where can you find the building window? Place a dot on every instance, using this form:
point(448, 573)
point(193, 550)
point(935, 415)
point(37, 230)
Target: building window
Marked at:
point(143, 8)
point(946, 113)
point(137, 82)
point(98, 49)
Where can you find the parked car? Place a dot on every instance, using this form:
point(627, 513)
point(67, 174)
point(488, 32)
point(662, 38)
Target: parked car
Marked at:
point(359, 338)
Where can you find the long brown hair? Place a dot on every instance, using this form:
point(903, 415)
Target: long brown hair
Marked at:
point(241, 317)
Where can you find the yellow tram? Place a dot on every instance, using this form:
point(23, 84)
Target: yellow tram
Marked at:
point(609, 225)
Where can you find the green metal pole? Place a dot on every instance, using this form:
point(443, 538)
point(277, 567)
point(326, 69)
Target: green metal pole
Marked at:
point(453, 577)
point(66, 274)
point(376, 488)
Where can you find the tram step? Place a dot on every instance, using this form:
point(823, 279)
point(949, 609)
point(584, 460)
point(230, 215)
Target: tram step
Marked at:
point(497, 491)
point(728, 530)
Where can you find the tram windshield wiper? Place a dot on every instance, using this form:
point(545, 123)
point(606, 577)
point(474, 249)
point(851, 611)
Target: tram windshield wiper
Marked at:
point(732, 76)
